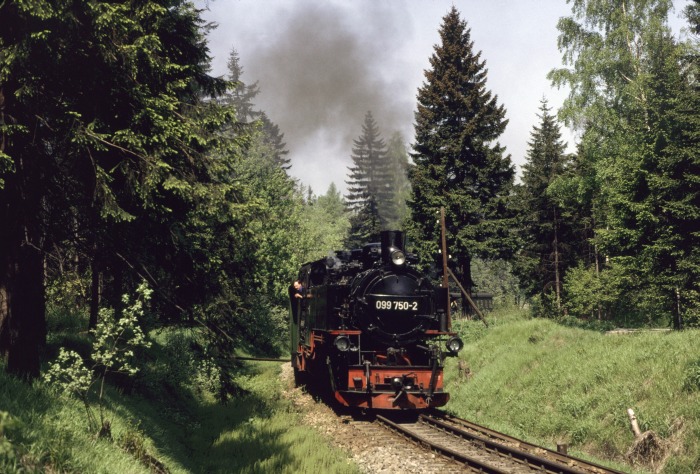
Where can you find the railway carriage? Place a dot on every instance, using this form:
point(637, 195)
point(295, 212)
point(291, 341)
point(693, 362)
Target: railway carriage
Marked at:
point(371, 329)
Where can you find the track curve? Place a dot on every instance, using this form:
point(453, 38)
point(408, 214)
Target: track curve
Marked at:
point(480, 449)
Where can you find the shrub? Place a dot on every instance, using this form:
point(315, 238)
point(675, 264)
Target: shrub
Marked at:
point(112, 352)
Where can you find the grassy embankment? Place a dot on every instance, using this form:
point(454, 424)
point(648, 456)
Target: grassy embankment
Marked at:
point(548, 383)
point(534, 379)
point(168, 422)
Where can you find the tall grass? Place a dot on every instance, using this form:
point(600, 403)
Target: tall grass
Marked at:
point(539, 380)
point(167, 420)
point(532, 378)
point(50, 435)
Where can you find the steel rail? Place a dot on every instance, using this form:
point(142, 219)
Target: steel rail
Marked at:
point(473, 463)
point(586, 466)
point(523, 457)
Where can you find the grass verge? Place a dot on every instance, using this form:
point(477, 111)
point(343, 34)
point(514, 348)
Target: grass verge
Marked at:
point(541, 381)
point(165, 422)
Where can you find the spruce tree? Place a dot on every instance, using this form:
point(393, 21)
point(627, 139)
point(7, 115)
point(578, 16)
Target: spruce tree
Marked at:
point(545, 230)
point(397, 155)
point(242, 95)
point(369, 188)
point(459, 163)
point(91, 151)
point(241, 98)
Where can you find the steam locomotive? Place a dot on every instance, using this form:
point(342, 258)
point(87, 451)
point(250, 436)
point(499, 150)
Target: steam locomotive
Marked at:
point(371, 329)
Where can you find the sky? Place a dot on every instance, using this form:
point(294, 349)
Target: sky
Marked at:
point(321, 65)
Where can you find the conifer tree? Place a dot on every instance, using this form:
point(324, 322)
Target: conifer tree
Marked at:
point(459, 163)
point(397, 155)
point(546, 233)
point(91, 150)
point(242, 95)
point(369, 188)
point(241, 98)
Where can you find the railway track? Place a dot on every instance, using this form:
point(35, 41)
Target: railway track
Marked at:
point(480, 449)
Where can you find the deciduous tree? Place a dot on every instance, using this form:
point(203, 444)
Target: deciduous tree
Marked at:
point(628, 92)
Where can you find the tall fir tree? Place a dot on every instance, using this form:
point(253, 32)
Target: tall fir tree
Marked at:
point(397, 155)
point(242, 95)
point(459, 163)
point(242, 99)
point(369, 188)
point(546, 233)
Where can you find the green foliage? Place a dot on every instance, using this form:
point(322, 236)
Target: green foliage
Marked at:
point(548, 231)
point(612, 295)
point(634, 96)
point(113, 152)
point(371, 197)
point(587, 293)
point(397, 155)
point(459, 164)
point(496, 277)
point(323, 227)
point(70, 374)
point(582, 382)
point(266, 329)
point(115, 341)
point(8, 452)
point(691, 379)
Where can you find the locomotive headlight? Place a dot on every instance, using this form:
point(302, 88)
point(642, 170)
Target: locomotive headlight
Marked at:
point(454, 344)
point(398, 257)
point(342, 343)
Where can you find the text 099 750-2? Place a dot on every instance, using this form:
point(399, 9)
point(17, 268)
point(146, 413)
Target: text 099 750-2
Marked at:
point(394, 305)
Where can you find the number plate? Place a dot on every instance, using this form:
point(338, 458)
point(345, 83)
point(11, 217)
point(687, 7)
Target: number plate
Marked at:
point(393, 304)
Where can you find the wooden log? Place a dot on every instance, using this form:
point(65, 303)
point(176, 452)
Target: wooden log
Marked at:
point(633, 424)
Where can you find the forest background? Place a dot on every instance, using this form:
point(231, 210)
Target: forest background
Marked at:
point(147, 169)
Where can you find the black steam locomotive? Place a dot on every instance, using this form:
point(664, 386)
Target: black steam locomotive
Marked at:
point(372, 329)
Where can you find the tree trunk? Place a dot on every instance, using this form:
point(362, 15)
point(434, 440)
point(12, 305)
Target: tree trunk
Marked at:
point(678, 317)
point(25, 320)
point(22, 304)
point(94, 293)
point(96, 279)
point(557, 282)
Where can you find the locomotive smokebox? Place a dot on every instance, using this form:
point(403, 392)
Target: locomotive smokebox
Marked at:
point(393, 242)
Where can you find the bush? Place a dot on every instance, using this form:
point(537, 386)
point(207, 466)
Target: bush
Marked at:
point(112, 352)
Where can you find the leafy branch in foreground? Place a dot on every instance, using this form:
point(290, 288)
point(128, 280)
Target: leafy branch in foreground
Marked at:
point(115, 341)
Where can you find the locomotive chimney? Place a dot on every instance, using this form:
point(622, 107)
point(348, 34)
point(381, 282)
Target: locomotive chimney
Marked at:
point(392, 240)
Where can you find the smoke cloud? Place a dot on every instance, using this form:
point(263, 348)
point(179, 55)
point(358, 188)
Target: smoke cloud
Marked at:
point(321, 66)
